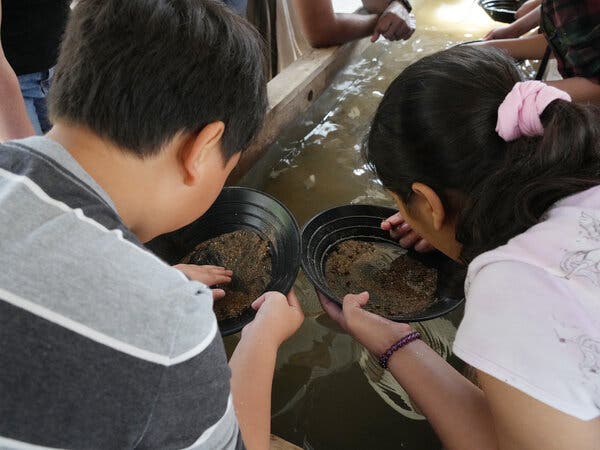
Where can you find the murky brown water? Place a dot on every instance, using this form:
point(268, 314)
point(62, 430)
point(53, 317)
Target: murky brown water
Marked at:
point(328, 391)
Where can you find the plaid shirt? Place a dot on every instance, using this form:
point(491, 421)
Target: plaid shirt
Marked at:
point(572, 28)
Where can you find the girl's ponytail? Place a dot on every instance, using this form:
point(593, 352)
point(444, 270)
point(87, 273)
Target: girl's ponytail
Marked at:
point(535, 174)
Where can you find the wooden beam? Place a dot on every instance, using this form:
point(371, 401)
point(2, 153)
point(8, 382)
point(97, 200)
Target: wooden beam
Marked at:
point(279, 444)
point(292, 92)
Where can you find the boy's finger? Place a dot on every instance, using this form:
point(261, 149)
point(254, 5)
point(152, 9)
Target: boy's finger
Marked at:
point(220, 279)
point(218, 294)
point(293, 300)
point(210, 268)
point(375, 36)
point(256, 304)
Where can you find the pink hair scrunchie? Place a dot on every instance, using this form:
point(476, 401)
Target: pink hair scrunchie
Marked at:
point(519, 113)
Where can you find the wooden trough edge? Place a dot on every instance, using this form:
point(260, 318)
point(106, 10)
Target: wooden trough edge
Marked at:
point(279, 444)
point(292, 92)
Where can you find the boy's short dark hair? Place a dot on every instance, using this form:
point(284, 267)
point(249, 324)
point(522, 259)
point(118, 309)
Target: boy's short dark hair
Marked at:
point(138, 72)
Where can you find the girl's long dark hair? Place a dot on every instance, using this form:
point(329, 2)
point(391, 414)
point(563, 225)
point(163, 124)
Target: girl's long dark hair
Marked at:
point(436, 125)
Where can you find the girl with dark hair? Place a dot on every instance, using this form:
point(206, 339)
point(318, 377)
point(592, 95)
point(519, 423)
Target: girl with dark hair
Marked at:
point(503, 176)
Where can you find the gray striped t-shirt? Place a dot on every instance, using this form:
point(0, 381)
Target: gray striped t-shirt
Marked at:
point(102, 345)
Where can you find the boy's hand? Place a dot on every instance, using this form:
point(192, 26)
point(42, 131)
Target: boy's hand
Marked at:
point(402, 231)
point(376, 333)
point(395, 23)
point(208, 275)
point(277, 318)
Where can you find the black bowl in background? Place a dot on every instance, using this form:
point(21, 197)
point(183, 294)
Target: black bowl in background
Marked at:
point(241, 208)
point(501, 10)
point(363, 222)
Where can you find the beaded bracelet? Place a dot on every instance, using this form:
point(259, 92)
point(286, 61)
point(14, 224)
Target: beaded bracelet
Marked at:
point(385, 358)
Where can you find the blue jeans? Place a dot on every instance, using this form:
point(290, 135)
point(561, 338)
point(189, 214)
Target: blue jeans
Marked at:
point(34, 87)
point(239, 6)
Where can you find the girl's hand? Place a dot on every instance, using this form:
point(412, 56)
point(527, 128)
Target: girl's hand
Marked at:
point(376, 333)
point(208, 275)
point(277, 318)
point(402, 231)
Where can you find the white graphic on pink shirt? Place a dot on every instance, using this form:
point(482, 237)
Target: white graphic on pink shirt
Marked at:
point(589, 354)
point(582, 263)
point(590, 226)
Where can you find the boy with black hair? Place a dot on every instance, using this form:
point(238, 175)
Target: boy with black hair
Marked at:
point(102, 344)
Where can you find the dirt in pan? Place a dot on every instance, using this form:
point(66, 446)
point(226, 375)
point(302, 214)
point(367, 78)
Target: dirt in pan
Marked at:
point(398, 284)
point(248, 256)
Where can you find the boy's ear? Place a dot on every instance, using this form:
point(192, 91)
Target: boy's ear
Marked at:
point(430, 205)
point(202, 147)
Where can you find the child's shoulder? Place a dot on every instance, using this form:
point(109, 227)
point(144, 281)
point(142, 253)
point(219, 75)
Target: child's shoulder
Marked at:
point(68, 258)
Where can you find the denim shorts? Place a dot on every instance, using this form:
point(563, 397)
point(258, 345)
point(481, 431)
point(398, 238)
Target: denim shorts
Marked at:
point(34, 87)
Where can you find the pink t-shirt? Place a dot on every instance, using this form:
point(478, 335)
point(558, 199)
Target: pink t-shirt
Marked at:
point(532, 316)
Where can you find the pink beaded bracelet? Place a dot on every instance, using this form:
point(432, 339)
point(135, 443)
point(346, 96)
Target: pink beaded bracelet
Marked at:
point(385, 358)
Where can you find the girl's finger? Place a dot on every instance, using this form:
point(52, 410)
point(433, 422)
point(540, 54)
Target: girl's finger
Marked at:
point(356, 300)
point(392, 221)
point(409, 240)
point(423, 246)
point(332, 309)
point(399, 231)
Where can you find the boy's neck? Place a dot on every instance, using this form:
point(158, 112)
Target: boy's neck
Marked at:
point(129, 181)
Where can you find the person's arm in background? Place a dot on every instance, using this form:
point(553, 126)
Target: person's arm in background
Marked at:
point(528, 47)
point(14, 122)
point(253, 364)
point(324, 27)
point(527, 7)
point(518, 28)
point(580, 89)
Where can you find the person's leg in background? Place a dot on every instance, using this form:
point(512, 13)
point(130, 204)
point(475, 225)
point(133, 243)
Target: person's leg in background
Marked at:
point(239, 6)
point(34, 87)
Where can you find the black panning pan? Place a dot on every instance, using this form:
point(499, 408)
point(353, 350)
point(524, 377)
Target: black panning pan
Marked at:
point(501, 10)
point(241, 208)
point(363, 222)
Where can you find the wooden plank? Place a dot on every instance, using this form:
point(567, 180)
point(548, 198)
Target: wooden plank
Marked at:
point(279, 444)
point(292, 92)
